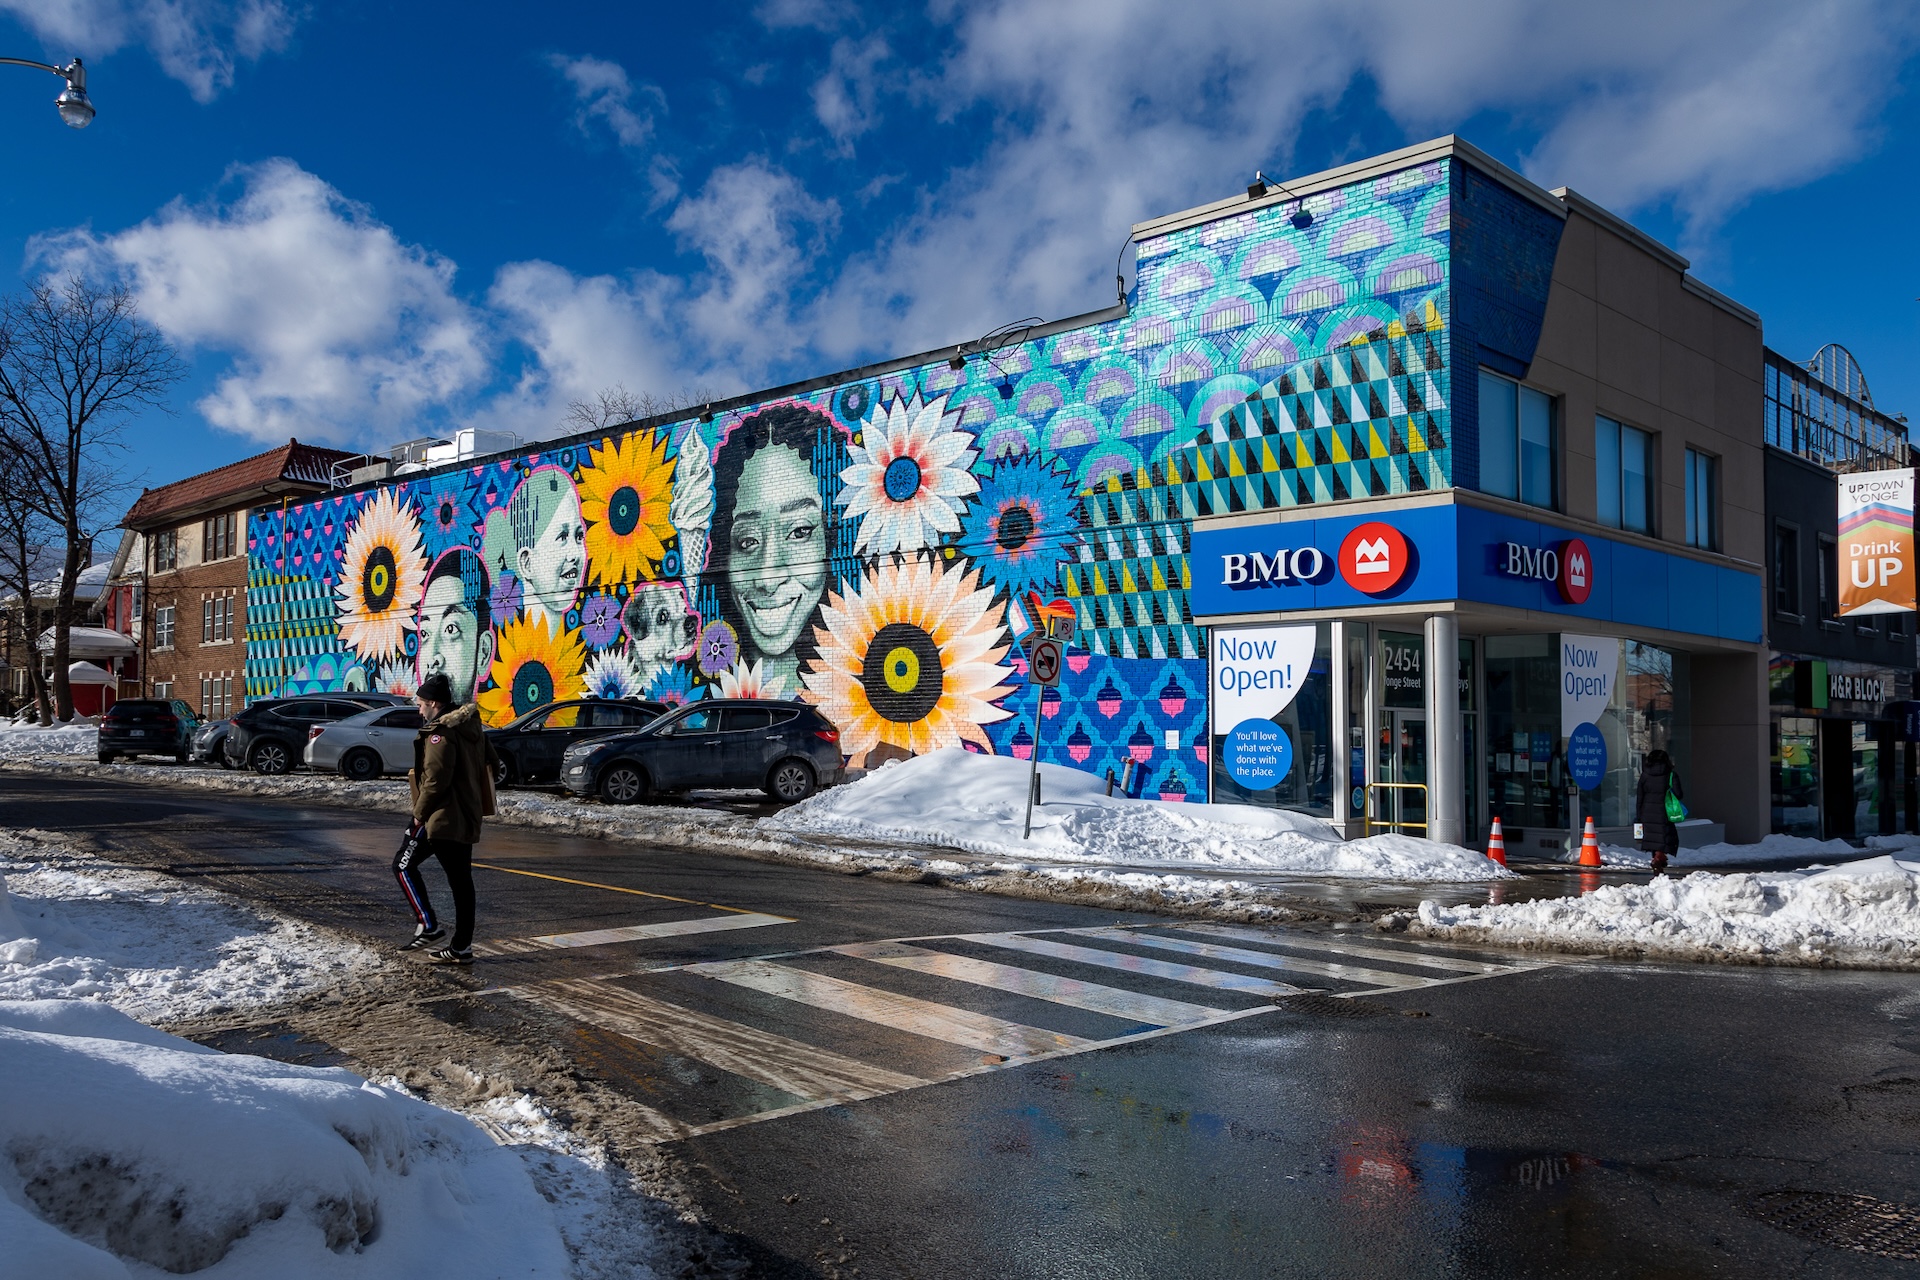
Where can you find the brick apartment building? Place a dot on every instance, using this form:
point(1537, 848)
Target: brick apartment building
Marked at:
point(195, 532)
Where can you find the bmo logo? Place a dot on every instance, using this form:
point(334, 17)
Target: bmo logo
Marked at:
point(1569, 567)
point(1374, 558)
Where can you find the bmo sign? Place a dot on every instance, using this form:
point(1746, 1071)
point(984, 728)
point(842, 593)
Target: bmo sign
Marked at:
point(1374, 557)
point(1568, 566)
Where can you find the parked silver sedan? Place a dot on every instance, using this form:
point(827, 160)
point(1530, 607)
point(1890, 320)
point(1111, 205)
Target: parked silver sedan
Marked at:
point(367, 745)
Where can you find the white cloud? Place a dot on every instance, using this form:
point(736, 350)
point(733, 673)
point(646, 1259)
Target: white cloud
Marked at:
point(335, 329)
point(602, 91)
point(1107, 112)
point(197, 42)
point(845, 98)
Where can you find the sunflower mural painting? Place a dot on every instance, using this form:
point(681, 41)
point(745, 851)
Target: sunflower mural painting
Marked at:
point(870, 543)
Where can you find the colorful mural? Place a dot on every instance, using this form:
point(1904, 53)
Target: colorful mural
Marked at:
point(867, 546)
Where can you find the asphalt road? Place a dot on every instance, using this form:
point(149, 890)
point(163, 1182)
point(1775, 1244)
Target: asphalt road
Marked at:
point(855, 1077)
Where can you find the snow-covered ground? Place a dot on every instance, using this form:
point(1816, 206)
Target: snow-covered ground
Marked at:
point(133, 1153)
point(977, 803)
point(1864, 912)
point(30, 741)
point(1769, 851)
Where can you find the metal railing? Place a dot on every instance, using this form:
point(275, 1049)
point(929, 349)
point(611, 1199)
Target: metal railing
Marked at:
point(1396, 824)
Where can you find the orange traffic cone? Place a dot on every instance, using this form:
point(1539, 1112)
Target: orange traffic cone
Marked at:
point(1590, 845)
point(1497, 844)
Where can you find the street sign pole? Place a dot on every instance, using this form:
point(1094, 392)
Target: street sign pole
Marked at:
point(1043, 671)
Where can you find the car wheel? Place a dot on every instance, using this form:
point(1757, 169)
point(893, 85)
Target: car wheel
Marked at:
point(623, 784)
point(503, 772)
point(180, 757)
point(360, 765)
point(107, 757)
point(270, 758)
point(220, 755)
point(790, 781)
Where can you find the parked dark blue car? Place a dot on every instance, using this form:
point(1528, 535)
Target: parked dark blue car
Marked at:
point(788, 749)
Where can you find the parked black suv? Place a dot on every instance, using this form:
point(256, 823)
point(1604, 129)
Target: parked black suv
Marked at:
point(269, 736)
point(785, 748)
point(147, 727)
point(530, 748)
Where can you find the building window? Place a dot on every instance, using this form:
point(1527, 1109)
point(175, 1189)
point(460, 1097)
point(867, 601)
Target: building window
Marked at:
point(216, 697)
point(166, 551)
point(163, 688)
point(217, 537)
point(1829, 579)
point(1786, 569)
point(1623, 458)
point(163, 627)
point(1519, 450)
point(1703, 500)
point(216, 619)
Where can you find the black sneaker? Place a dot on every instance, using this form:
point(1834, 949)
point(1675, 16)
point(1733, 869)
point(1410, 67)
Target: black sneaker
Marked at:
point(447, 955)
point(422, 939)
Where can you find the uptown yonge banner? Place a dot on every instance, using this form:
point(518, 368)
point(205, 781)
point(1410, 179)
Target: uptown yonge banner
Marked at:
point(1876, 543)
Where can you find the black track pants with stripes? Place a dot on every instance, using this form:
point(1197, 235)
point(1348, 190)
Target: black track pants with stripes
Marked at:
point(457, 861)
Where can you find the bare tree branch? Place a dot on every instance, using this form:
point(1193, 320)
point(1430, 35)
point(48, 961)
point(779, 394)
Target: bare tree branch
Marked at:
point(76, 365)
point(616, 406)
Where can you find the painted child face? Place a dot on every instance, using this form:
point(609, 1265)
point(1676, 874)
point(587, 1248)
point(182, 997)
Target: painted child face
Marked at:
point(551, 569)
point(777, 557)
point(453, 642)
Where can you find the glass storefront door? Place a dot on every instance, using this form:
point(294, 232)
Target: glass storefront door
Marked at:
point(1401, 758)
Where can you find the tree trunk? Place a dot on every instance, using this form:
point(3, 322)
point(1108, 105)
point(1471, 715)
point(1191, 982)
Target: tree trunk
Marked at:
point(36, 674)
point(63, 628)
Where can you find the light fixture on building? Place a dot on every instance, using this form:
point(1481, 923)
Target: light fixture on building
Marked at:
point(1258, 187)
point(956, 361)
point(1302, 217)
point(1006, 389)
point(706, 413)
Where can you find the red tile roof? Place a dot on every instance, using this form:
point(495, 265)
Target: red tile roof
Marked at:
point(293, 467)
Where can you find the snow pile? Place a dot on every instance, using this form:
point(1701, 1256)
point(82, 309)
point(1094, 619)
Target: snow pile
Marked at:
point(1866, 912)
point(129, 1148)
point(32, 742)
point(73, 925)
point(960, 800)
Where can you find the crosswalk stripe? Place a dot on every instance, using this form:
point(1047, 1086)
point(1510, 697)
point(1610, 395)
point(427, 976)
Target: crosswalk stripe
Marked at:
point(1258, 959)
point(1218, 979)
point(1419, 959)
point(664, 929)
point(1112, 1001)
point(888, 1008)
point(761, 1056)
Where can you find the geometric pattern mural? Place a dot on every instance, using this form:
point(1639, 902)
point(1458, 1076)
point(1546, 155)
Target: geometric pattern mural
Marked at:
point(869, 545)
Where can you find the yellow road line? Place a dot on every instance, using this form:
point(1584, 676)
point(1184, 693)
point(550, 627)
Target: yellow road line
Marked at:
point(614, 888)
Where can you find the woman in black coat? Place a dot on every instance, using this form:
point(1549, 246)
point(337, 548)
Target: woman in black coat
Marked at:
point(1658, 835)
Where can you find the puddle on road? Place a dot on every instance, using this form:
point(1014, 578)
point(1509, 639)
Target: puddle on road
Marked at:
point(277, 1041)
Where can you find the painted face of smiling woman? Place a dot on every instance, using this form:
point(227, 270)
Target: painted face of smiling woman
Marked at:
point(777, 549)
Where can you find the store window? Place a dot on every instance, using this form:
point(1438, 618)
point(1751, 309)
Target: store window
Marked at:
point(1519, 448)
point(1796, 777)
point(1307, 782)
point(1786, 569)
point(1525, 785)
point(1623, 467)
point(1703, 500)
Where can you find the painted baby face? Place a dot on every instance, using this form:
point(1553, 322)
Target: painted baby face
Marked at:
point(777, 552)
point(551, 570)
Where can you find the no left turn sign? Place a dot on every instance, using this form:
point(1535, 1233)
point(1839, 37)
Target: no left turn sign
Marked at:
point(1043, 666)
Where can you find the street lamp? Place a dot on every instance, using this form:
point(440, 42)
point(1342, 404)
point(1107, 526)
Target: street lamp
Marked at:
point(75, 108)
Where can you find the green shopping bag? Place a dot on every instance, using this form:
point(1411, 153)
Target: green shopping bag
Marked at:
point(1676, 811)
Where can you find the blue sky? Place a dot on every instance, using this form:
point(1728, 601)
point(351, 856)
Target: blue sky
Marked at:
point(365, 222)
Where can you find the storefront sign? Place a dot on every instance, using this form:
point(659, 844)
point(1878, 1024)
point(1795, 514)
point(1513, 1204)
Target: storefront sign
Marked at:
point(1257, 672)
point(1374, 557)
point(1845, 688)
point(1876, 543)
point(1277, 568)
point(1258, 754)
point(1588, 667)
point(1569, 567)
point(1403, 658)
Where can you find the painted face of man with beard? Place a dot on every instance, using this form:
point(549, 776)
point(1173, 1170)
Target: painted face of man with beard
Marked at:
point(455, 640)
point(777, 552)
